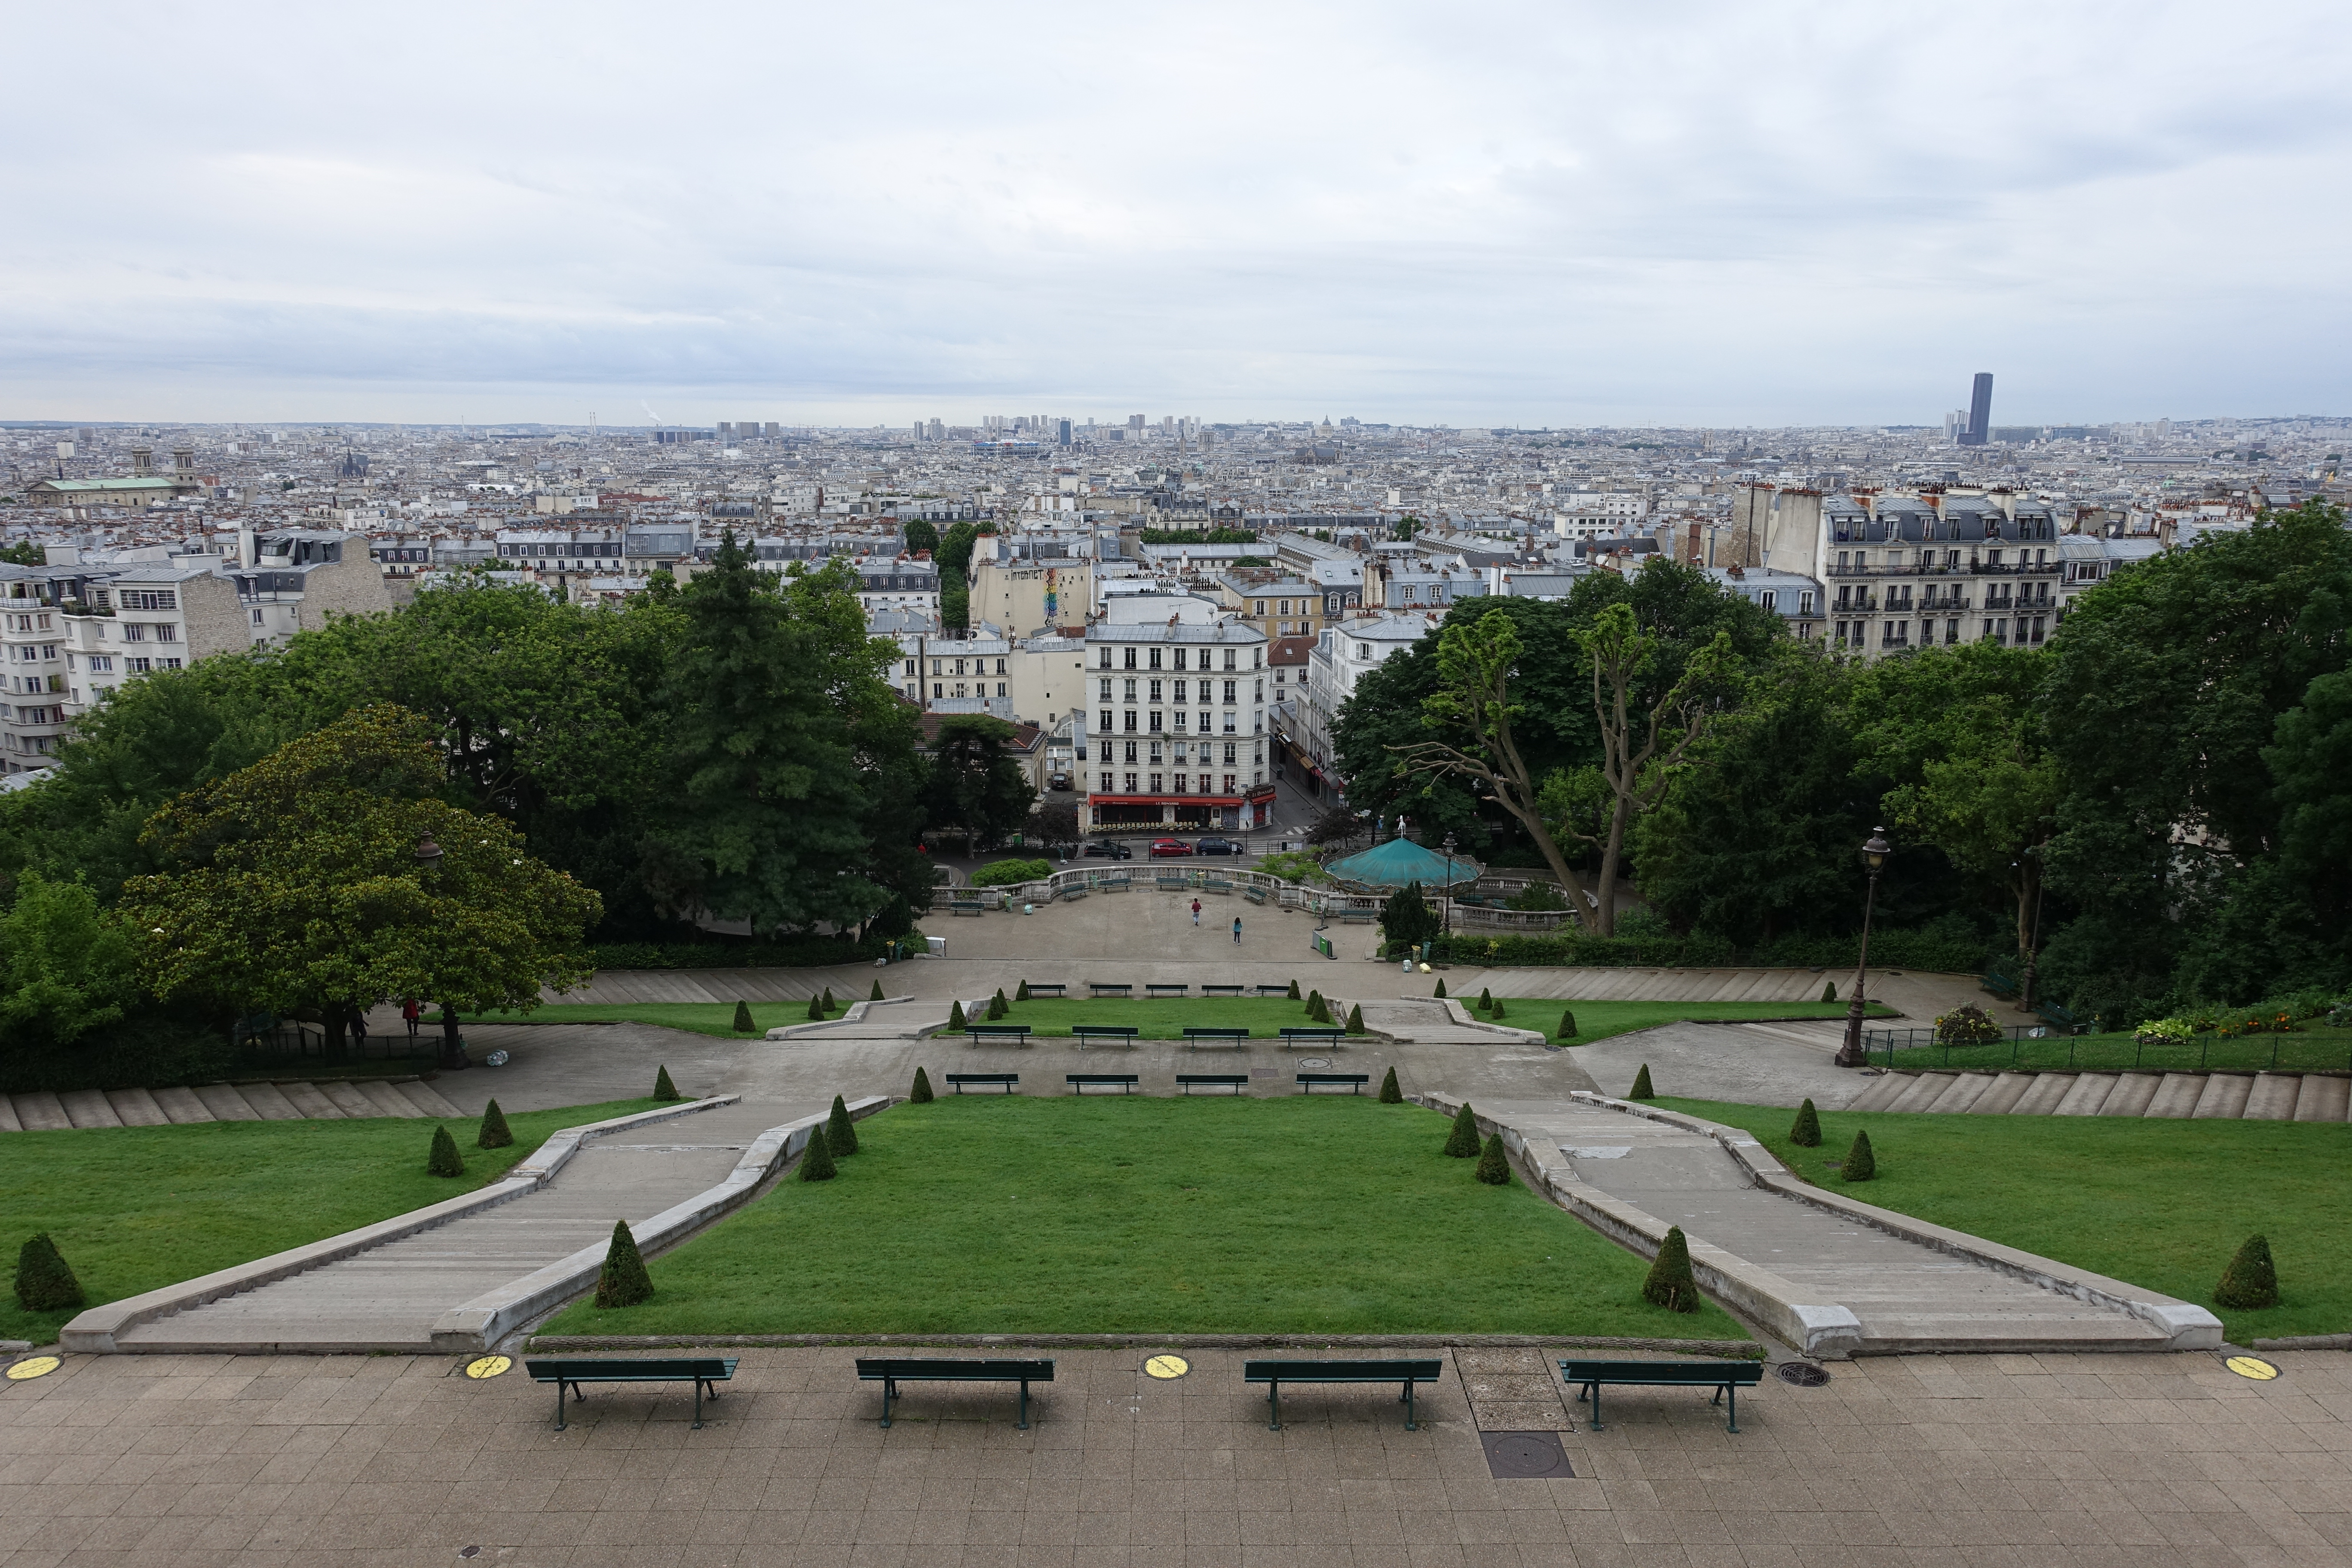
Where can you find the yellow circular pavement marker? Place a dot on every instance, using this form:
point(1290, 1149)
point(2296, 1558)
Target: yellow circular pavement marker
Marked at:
point(33, 1366)
point(2252, 1366)
point(488, 1366)
point(1165, 1367)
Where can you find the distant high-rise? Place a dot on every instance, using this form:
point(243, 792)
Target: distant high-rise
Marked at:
point(1980, 411)
point(1062, 432)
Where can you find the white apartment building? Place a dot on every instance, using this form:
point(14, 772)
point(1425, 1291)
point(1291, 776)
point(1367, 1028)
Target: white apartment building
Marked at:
point(1343, 656)
point(969, 674)
point(1178, 735)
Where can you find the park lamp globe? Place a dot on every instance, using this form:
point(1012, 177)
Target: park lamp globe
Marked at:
point(1874, 851)
point(428, 854)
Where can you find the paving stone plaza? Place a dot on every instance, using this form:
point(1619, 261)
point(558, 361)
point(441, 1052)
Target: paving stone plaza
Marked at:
point(2132, 1453)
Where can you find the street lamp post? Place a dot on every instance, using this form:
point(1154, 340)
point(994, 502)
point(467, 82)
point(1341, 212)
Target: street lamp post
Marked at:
point(1448, 847)
point(1875, 850)
point(2033, 932)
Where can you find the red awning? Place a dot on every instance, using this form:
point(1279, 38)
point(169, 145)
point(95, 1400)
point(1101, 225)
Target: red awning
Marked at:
point(1164, 800)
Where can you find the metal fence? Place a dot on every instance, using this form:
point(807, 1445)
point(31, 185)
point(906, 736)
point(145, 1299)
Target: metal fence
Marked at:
point(2042, 1046)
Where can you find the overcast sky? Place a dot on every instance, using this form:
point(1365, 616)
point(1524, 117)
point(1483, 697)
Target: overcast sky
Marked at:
point(1549, 214)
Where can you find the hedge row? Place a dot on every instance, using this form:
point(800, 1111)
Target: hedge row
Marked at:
point(1932, 952)
point(806, 952)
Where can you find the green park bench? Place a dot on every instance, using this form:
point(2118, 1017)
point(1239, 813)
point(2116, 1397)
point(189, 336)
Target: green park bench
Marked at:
point(1224, 990)
point(1254, 893)
point(1045, 988)
point(1123, 1033)
point(1007, 1081)
point(966, 907)
point(1237, 1081)
point(1354, 1080)
point(1099, 988)
point(1079, 1081)
point(1274, 991)
point(1217, 885)
point(1315, 1035)
point(703, 1372)
point(1171, 881)
point(1275, 1373)
point(1173, 988)
point(1726, 1377)
point(1017, 1033)
point(892, 1371)
point(1115, 884)
point(1194, 1034)
point(1356, 918)
point(1072, 893)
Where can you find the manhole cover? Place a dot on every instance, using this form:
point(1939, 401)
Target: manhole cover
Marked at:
point(1533, 1456)
point(1315, 1061)
point(1802, 1375)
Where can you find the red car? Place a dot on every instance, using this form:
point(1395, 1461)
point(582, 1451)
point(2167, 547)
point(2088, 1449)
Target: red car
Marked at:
point(1163, 849)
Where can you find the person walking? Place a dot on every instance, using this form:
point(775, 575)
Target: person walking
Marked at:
point(1237, 931)
point(358, 1029)
point(1196, 911)
point(409, 1013)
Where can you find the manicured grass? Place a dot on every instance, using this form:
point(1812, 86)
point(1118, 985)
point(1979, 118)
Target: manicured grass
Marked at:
point(134, 1208)
point(2162, 1204)
point(1131, 1215)
point(696, 1017)
point(2316, 1047)
point(1599, 1020)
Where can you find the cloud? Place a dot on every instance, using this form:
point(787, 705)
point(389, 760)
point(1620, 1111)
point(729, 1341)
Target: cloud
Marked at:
point(1703, 212)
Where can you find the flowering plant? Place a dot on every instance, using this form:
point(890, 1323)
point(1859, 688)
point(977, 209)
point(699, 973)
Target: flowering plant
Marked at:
point(1967, 1024)
point(2165, 1032)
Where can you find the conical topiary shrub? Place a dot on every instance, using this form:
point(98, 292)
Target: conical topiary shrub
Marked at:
point(1390, 1093)
point(1641, 1090)
point(1462, 1141)
point(830, 1004)
point(663, 1088)
point(1807, 1133)
point(1440, 992)
point(1356, 1019)
point(445, 1160)
point(1498, 1011)
point(1293, 991)
point(816, 1010)
point(1669, 1284)
point(495, 1133)
point(1494, 1168)
point(1861, 1164)
point(840, 1131)
point(44, 1283)
point(997, 1005)
point(623, 1281)
point(743, 1023)
point(1486, 999)
point(922, 1093)
point(2248, 1284)
point(1315, 1004)
point(1828, 992)
point(955, 1017)
point(816, 1160)
point(1022, 995)
point(875, 994)
point(1567, 1025)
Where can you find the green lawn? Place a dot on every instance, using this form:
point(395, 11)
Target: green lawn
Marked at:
point(2163, 1204)
point(1060, 1214)
point(2315, 1046)
point(1599, 1020)
point(696, 1017)
point(133, 1208)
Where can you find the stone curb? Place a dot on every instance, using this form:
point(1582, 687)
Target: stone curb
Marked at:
point(855, 1015)
point(2307, 1343)
point(93, 1330)
point(1740, 1349)
point(2185, 1325)
point(489, 1318)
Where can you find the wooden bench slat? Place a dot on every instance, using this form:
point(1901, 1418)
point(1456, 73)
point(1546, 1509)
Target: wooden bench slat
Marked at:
point(1007, 1081)
point(1275, 1373)
point(1233, 1080)
point(1079, 1081)
point(890, 1371)
point(1727, 1378)
point(1355, 1081)
point(703, 1372)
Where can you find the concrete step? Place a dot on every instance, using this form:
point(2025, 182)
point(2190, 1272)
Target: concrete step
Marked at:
point(2323, 1098)
point(386, 1100)
point(2273, 1097)
point(8, 1122)
point(1965, 1090)
point(1883, 1091)
point(310, 1101)
point(2224, 1097)
point(88, 1107)
point(348, 1100)
point(2043, 1095)
point(137, 1108)
point(268, 1103)
point(2177, 1096)
point(39, 1111)
point(183, 1105)
point(2132, 1093)
point(2090, 1092)
point(427, 1101)
point(1924, 1090)
point(226, 1103)
point(2002, 1096)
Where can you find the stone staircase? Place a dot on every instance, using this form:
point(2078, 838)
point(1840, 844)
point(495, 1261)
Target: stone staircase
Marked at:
point(293, 1100)
point(2234, 1096)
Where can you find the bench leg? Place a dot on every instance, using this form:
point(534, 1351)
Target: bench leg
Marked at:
point(889, 1393)
point(559, 1407)
point(1592, 1392)
point(1408, 1407)
point(697, 1404)
point(1024, 1405)
point(1274, 1406)
point(1733, 1391)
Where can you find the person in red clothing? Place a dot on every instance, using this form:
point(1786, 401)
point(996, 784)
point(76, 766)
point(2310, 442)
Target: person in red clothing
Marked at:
point(1196, 911)
point(409, 1013)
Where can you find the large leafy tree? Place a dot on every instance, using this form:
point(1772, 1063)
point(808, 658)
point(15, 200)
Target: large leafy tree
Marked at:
point(976, 786)
point(765, 812)
point(300, 883)
point(65, 970)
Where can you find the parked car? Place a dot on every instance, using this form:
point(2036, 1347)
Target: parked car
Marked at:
point(1107, 850)
point(1218, 847)
point(1059, 781)
point(1167, 849)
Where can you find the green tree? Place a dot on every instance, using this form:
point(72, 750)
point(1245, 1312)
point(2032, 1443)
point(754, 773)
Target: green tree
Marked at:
point(976, 786)
point(623, 1280)
point(65, 970)
point(1406, 916)
point(296, 883)
point(922, 538)
point(25, 553)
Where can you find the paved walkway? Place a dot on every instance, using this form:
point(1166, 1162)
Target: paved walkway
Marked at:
point(2017, 1461)
point(1746, 1064)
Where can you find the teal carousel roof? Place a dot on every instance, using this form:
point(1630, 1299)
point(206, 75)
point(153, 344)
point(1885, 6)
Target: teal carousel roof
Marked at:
point(1401, 861)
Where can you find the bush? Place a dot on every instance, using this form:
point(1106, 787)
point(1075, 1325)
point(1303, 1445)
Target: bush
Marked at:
point(955, 1018)
point(2250, 1282)
point(1567, 1025)
point(1316, 1012)
point(1670, 1283)
point(1462, 1141)
point(1293, 991)
point(623, 1281)
point(663, 1088)
point(1390, 1093)
point(44, 1283)
point(1861, 1164)
point(1008, 873)
point(495, 1133)
point(1828, 992)
point(744, 1024)
point(1406, 917)
point(445, 1160)
point(1496, 1011)
point(1807, 1133)
point(1440, 992)
point(1538, 896)
point(1486, 999)
point(875, 994)
point(816, 1010)
point(788, 952)
point(1967, 1025)
point(816, 1160)
point(997, 1005)
point(1356, 1019)
point(840, 1131)
point(1941, 947)
point(1022, 995)
point(1641, 1090)
point(830, 1004)
point(1493, 1169)
point(922, 1093)
point(2165, 1032)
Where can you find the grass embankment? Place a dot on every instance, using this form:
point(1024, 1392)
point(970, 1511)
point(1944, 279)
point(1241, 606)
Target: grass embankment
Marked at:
point(135, 1208)
point(1010, 1214)
point(2313, 1048)
point(2163, 1204)
point(1599, 1020)
point(695, 1017)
